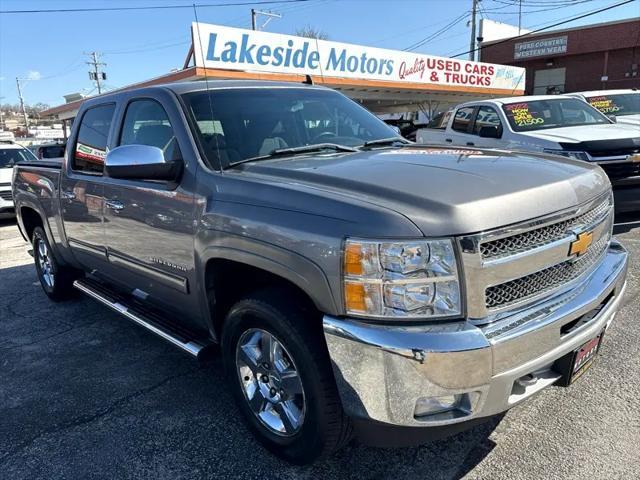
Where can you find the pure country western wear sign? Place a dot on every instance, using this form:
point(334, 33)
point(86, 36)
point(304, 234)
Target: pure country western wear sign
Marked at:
point(247, 50)
point(540, 48)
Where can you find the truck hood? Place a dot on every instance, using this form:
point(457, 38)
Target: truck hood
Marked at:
point(609, 131)
point(629, 120)
point(445, 191)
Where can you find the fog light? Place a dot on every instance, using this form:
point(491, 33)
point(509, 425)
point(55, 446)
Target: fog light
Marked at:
point(431, 405)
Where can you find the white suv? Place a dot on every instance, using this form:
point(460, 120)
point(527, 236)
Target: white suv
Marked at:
point(10, 154)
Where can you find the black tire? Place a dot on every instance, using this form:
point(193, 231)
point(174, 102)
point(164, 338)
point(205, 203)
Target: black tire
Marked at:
point(60, 285)
point(325, 427)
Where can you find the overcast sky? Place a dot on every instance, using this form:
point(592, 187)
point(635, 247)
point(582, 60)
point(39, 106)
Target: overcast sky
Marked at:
point(46, 49)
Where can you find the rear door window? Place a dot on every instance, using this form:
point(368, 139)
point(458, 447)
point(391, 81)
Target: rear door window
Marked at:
point(486, 117)
point(462, 119)
point(93, 134)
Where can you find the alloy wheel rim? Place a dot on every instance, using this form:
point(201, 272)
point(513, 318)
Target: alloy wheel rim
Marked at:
point(270, 382)
point(46, 266)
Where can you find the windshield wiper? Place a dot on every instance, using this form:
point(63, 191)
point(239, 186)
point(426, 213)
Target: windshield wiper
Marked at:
point(386, 141)
point(281, 152)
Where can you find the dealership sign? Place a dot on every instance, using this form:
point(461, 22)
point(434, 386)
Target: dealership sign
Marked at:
point(254, 51)
point(540, 48)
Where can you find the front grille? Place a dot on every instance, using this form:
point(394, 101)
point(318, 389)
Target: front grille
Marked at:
point(617, 152)
point(538, 237)
point(621, 170)
point(545, 280)
point(6, 195)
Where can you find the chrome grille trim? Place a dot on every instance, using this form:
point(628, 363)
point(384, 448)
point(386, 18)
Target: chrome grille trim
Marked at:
point(538, 237)
point(480, 273)
point(6, 195)
point(539, 283)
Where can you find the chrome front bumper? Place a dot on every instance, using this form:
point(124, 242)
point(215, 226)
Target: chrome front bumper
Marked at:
point(382, 370)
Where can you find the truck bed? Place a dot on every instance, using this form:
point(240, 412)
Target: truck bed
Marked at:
point(57, 164)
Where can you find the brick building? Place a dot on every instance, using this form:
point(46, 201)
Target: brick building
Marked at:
point(593, 57)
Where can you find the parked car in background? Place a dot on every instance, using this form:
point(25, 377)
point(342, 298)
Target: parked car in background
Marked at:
point(623, 104)
point(356, 283)
point(49, 151)
point(10, 155)
point(406, 128)
point(556, 124)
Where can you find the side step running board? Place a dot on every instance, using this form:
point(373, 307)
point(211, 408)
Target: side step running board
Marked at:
point(98, 292)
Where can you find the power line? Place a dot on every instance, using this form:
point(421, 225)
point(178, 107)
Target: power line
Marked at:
point(152, 7)
point(498, 11)
point(572, 19)
point(434, 35)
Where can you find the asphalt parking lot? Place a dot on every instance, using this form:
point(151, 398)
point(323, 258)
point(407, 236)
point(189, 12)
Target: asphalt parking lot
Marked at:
point(86, 394)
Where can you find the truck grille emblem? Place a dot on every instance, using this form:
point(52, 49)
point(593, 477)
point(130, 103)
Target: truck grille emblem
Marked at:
point(580, 246)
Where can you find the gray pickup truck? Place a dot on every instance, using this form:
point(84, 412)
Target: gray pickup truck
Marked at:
point(357, 284)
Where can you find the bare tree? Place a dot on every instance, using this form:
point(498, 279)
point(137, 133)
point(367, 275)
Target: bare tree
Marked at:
point(311, 32)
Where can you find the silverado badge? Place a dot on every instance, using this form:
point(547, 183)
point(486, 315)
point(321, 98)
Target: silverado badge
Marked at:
point(581, 244)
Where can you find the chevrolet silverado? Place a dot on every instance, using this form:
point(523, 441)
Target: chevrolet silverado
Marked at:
point(357, 284)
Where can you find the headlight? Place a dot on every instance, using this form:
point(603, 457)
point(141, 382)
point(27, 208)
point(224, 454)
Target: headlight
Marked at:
point(413, 279)
point(568, 153)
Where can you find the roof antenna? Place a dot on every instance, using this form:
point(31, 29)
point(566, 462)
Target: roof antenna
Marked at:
point(308, 80)
point(206, 80)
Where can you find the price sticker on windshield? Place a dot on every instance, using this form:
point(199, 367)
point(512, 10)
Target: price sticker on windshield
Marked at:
point(604, 104)
point(522, 116)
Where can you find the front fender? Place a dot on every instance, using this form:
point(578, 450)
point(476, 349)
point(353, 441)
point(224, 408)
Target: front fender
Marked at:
point(291, 266)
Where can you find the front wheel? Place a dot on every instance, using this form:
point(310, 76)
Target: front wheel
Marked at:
point(279, 369)
point(56, 279)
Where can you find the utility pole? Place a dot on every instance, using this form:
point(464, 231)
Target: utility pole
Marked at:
point(24, 111)
point(96, 75)
point(472, 41)
point(519, 17)
point(254, 15)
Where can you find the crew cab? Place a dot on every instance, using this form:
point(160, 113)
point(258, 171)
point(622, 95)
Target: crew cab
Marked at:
point(356, 284)
point(624, 105)
point(555, 124)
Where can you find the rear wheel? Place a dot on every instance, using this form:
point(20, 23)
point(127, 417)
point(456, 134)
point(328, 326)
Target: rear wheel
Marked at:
point(56, 279)
point(279, 369)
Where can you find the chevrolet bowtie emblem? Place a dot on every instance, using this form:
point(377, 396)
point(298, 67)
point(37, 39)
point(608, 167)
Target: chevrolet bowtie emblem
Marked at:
point(635, 158)
point(580, 246)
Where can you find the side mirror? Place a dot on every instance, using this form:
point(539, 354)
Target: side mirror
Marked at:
point(141, 162)
point(613, 118)
point(491, 131)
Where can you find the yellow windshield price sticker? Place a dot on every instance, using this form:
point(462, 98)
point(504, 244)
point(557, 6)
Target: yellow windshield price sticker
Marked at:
point(523, 117)
point(605, 105)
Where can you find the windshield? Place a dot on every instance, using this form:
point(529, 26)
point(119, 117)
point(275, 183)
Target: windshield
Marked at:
point(618, 105)
point(239, 124)
point(555, 113)
point(10, 156)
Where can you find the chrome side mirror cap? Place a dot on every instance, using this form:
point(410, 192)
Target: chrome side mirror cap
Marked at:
point(141, 162)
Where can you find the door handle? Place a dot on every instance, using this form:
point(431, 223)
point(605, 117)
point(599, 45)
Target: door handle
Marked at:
point(448, 140)
point(114, 205)
point(471, 144)
point(68, 195)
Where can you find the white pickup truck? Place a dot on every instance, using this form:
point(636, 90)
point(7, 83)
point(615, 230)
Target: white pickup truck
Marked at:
point(624, 104)
point(556, 124)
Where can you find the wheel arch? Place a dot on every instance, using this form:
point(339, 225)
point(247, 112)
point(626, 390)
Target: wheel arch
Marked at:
point(228, 274)
point(30, 218)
